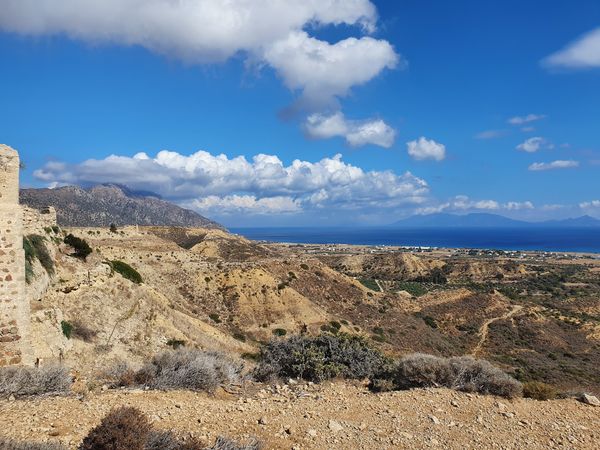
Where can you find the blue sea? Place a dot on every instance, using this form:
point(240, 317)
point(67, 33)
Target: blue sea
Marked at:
point(545, 239)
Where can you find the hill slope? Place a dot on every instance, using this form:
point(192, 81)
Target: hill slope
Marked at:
point(102, 205)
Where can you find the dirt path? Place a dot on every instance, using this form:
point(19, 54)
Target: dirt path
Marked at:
point(379, 285)
point(483, 330)
point(332, 415)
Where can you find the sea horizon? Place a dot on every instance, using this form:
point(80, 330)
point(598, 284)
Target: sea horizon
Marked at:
point(568, 239)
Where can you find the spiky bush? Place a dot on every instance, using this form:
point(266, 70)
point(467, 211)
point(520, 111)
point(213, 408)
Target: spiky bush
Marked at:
point(30, 381)
point(167, 440)
point(190, 369)
point(124, 428)
point(10, 444)
point(462, 373)
point(319, 358)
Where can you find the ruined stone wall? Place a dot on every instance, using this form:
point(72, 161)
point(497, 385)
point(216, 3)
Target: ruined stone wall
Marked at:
point(36, 221)
point(14, 308)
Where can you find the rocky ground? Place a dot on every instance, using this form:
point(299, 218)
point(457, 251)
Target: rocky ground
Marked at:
point(332, 415)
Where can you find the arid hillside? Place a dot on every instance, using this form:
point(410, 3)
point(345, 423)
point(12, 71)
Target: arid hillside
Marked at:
point(538, 320)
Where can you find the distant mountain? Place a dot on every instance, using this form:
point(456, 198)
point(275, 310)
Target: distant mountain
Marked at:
point(484, 220)
point(102, 205)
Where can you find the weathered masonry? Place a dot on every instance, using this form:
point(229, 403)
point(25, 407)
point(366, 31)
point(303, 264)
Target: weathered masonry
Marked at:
point(14, 306)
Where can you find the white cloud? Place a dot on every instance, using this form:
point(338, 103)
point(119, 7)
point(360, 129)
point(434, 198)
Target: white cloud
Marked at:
point(516, 206)
point(244, 204)
point(356, 132)
point(558, 164)
point(534, 144)
point(490, 134)
point(323, 71)
point(581, 54)
point(521, 120)
point(264, 183)
point(590, 205)
point(463, 203)
point(208, 31)
point(426, 149)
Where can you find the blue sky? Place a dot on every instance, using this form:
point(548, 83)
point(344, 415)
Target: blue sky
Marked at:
point(389, 108)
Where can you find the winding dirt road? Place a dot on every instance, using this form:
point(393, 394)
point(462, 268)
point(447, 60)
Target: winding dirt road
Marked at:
point(483, 331)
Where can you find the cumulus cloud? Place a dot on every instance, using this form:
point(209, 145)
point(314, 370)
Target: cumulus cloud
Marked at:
point(581, 54)
point(516, 206)
point(262, 184)
point(534, 144)
point(207, 31)
point(323, 71)
point(245, 204)
point(590, 205)
point(426, 149)
point(521, 120)
point(558, 164)
point(356, 132)
point(462, 203)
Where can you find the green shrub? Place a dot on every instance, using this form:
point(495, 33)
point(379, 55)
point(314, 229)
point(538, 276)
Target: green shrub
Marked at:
point(126, 271)
point(113, 228)
point(35, 248)
point(539, 390)
point(304, 266)
point(279, 332)
point(462, 373)
point(319, 358)
point(215, 317)
point(81, 247)
point(414, 288)
point(67, 329)
point(370, 284)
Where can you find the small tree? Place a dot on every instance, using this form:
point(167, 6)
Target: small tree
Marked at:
point(113, 228)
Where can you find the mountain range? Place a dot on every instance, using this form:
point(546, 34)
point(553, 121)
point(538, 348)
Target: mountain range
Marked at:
point(102, 205)
point(484, 220)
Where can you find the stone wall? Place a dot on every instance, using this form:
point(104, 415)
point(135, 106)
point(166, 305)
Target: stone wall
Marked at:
point(15, 345)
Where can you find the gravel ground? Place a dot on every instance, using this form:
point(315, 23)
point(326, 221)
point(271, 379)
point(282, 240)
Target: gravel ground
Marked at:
point(330, 416)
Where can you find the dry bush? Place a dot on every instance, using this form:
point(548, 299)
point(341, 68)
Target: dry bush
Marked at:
point(124, 428)
point(120, 374)
point(319, 358)
point(9, 444)
point(462, 373)
point(28, 381)
point(82, 331)
point(539, 390)
point(190, 369)
point(223, 443)
point(167, 440)
point(128, 428)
